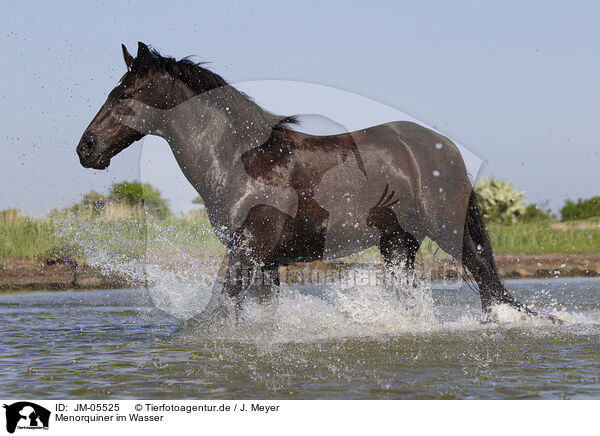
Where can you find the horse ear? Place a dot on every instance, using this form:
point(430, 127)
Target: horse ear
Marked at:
point(144, 56)
point(128, 58)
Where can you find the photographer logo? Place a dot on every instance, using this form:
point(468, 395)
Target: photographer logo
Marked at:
point(26, 415)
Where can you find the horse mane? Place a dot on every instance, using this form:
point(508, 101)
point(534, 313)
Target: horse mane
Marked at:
point(200, 80)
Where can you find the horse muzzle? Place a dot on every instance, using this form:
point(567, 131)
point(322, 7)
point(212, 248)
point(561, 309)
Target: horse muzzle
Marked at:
point(88, 155)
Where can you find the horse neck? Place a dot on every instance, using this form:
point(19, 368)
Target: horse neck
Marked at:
point(208, 134)
point(197, 148)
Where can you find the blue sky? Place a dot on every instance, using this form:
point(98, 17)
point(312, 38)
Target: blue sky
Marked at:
point(515, 82)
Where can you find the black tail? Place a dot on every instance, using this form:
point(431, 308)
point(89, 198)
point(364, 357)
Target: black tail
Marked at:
point(478, 257)
point(476, 229)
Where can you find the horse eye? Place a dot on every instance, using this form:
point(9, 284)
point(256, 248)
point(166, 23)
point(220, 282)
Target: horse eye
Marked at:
point(124, 97)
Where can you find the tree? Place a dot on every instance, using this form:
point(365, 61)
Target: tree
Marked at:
point(95, 200)
point(136, 194)
point(499, 200)
point(536, 213)
point(581, 210)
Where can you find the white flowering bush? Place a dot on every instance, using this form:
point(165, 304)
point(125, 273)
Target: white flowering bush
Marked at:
point(499, 200)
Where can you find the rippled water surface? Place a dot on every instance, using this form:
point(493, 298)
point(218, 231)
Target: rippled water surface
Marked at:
point(319, 342)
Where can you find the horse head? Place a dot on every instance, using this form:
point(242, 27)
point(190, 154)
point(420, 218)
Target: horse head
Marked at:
point(147, 83)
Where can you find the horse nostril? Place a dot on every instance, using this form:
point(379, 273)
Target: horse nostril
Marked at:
point(86, 145)
point(84, 148)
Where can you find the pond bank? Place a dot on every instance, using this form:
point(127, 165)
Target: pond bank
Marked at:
point(67, 273)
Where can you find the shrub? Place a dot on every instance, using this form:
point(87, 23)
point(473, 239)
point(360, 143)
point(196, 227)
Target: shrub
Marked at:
point(136, 194)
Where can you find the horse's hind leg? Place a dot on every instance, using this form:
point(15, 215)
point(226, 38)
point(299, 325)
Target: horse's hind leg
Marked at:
point(482, 271)
point(478, 258)
point(400, 248)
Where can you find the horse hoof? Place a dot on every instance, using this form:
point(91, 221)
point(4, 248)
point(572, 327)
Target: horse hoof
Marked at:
point(555, 320)
point(487, 317)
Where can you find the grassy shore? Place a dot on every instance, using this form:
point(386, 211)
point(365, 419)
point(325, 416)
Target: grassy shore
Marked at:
point(89, 250)
point(575, 237)
point(129, 232)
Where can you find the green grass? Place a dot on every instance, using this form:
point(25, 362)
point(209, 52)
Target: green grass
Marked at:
point(541, 238)
point(26, 238)
point(132, 234)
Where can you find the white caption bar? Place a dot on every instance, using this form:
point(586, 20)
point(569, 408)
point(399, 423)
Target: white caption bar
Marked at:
point(181, 417)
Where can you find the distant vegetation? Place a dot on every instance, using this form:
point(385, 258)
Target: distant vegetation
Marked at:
point(518, 227)
point(503, 204)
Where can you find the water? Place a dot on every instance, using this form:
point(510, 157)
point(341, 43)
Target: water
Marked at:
point(320, 342)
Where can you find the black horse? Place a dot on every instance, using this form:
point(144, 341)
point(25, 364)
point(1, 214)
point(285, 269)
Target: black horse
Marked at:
point(275, 195)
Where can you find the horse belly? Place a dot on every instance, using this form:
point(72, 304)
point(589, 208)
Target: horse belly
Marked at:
point(347, 238)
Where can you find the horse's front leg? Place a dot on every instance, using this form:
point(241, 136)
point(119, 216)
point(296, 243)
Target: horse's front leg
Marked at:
point(230, 288)
point(239, 275)
point(265, 286)
point(249, 274)
point(247, 280)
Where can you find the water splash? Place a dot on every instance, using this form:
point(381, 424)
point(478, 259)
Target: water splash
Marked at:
point(181, 282)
